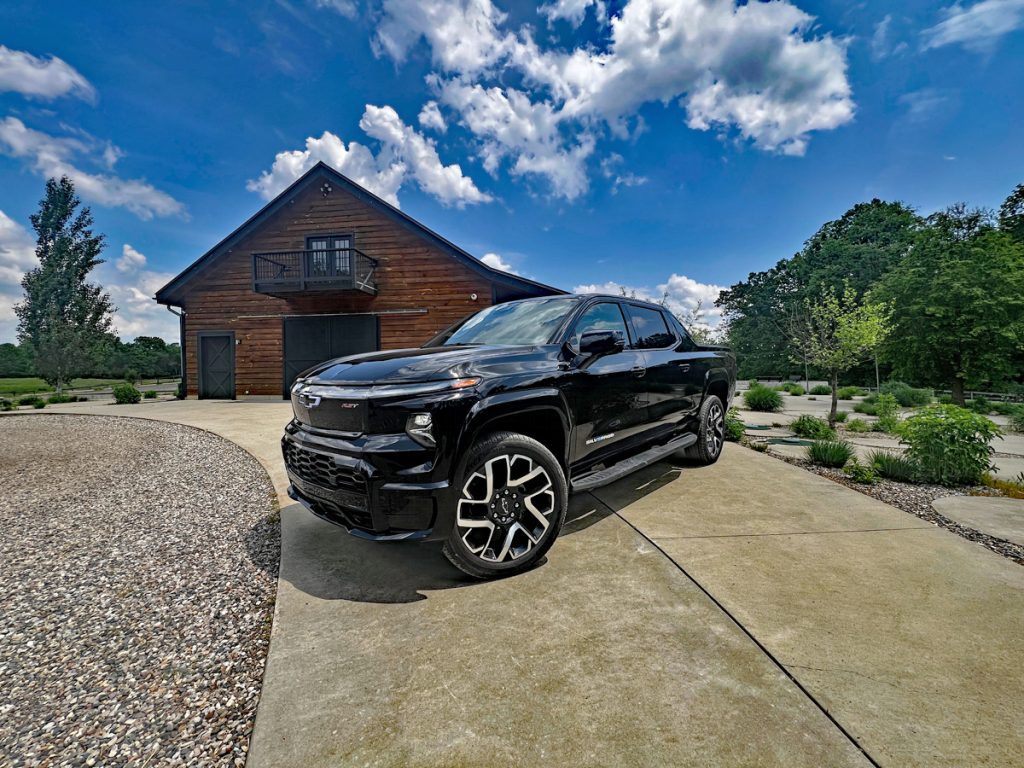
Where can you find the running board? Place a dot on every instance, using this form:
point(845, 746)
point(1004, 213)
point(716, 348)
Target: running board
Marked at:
point(615, 472)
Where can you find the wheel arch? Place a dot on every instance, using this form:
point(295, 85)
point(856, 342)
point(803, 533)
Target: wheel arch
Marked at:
point(538, 415)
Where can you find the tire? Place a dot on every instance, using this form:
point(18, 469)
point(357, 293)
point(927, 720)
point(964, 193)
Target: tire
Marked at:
point(710, 434)
point(512, 525)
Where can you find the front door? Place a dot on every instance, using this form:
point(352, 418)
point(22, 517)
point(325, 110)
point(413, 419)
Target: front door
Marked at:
point(329, 256)
point(314, 339)
point(217, 365)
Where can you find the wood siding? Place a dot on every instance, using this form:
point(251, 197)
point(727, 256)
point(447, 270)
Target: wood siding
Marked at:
point(421, 289)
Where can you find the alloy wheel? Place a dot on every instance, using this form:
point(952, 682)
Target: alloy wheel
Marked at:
point(716, 429)
point(505, 508)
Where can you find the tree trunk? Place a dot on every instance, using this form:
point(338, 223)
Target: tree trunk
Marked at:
point(835, 399)
point(878, 381)
point(807, 376)
point(958, 392)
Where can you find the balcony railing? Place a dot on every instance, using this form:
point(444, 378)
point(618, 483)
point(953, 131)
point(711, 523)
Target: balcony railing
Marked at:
point(328, 269)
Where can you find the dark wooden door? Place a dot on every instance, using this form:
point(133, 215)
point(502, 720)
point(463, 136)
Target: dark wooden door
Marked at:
point(311, 340)
point(217, 366)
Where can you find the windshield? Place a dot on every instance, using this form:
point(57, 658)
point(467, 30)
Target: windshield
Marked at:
point(533, 321)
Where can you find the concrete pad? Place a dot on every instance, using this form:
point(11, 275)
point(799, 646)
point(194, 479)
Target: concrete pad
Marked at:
point(995, 515)
point(909, 636)
point(1008, 467)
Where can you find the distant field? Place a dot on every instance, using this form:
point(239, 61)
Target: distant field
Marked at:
point(29, 385)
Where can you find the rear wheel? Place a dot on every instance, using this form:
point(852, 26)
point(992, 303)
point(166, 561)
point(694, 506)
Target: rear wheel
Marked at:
point(710, 433)
point(511, 502)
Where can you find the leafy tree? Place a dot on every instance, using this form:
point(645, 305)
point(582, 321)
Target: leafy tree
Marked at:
point(14, 361)
point(838, 332)
point(1011, 213)
point(958, 300)
point(64, 319)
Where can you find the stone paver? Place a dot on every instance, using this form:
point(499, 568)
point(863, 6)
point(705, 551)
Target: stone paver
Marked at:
point(995, 516)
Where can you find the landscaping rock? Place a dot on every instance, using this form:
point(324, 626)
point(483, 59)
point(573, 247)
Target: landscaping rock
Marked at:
point(138, 568)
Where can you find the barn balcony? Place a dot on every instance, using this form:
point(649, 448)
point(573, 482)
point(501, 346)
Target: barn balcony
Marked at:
point(332, 269)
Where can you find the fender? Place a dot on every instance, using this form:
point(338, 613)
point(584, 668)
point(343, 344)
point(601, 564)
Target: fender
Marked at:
point(515, 403)
point(716, 376)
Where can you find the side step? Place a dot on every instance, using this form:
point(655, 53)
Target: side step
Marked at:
point(615, 472)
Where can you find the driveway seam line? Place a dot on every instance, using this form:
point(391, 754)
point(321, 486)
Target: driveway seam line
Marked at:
point(781, 667)
point(800, 533)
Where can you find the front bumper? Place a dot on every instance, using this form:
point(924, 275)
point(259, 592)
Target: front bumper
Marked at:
point(383, 487)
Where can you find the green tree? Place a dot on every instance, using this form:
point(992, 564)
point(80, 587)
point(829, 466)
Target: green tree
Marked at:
point(838, 332)
point(14, 361)
point(958, 302)
point(1011, 213)
point(64, 319)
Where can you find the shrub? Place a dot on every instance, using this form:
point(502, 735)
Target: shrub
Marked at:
point(980, 405)
point(829, 453)
point(781, 388)
point(753, 383)
point(763, 399)
point(848, 393)
point(29, 400)
point(821, 389)
point(886, 409)
point(126, 393)
point(868, 409)
point(1017, 419)
point(949, 445)
point(149, 394)
point(39, 405)
point(734, 428)
point(812, 428)
point(858, 425)
point(59, 399)
point(1005, 409)
point(6, 405)
point(945, 399)
point(841, 416)
point(860, 473)
point(906, 395)
point(893, 466)
point(760, 447)
point(796, 389)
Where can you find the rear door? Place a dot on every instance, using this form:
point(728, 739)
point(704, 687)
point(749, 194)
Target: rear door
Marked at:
point(606, 393)
point(672, 380)
point(314, 339)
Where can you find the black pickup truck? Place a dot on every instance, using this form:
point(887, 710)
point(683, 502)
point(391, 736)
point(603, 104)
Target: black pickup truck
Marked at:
point(478, 437)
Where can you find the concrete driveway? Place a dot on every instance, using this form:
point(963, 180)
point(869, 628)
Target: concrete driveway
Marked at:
point(749, 613)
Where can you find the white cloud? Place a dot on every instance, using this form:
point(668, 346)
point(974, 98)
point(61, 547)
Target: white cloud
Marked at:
point(131, 287)
point(51, 156)
point(40, 77)
point(756, 70)
point(430, 117)
point(683, 295)
point(496, 262)
point(346, 8)
point(131, 260)
point(922, 104)
point(976, 27)
point(404, 154)
point(573, 11)
point(610, 170)
point(17, 256)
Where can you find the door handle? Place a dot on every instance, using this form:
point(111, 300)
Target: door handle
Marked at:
point(638, 370)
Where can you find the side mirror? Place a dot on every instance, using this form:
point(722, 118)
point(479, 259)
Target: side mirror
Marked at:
point(601, 342)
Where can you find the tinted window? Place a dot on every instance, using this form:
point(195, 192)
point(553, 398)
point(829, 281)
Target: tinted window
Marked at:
point(533, 321)
point(600, 317)
point(682, 332)
point(649, 328)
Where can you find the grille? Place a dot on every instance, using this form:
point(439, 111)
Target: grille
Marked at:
point(320, 469)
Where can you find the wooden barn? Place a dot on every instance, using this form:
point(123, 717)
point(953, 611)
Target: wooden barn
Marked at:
point(325, 269)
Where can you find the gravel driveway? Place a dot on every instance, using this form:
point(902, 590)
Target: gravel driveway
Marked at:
point(138, 567)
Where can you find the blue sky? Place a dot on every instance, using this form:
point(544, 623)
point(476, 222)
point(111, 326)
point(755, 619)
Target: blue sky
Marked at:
point(659, 145)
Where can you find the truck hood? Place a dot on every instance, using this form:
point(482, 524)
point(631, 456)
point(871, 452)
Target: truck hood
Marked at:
point(407, 366)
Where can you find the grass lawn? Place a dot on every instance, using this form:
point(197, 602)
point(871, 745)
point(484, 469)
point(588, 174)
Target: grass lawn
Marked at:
point(29, 385)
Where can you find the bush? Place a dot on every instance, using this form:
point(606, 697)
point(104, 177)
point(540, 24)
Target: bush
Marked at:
point(1017, 420)
point(949, 445)
point(734, 428)
point(860, 473)
point(39, 405)
point(821, 389)
point(149, 394)
point(829, 453)
point(1005, 409)
point(30, 400)
point(812, 428)
point(841, 416)
point(796, 389)
point(848, 393)
point(868, 409)
point(980, 405)
point(763, 399)
point(893, 466)
point(945, 399)
point(60, 399)
point(858, 425)
point(753, 383)
point(906, 395)
point(6, 405)
point(887, 411)
point(126, 393)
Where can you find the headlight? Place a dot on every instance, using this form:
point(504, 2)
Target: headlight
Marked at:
point(420, 427)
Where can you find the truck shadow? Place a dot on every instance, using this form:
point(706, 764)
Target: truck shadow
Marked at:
point(324, 561)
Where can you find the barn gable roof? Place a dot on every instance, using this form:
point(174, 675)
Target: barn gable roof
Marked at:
point(167, 294)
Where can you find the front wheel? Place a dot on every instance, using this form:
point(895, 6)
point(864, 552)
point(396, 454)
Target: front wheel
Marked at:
point(710, 432)
point(511, 502)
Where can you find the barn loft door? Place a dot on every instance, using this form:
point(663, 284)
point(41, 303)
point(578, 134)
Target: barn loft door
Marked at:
point(217, 366)
point(311, 340)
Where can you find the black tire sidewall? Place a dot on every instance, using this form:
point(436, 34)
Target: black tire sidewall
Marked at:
point(700, 451)
point(489, 447)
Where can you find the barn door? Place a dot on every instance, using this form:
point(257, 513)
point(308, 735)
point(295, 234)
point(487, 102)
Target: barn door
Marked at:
point(312, 340)
point(217, 365)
